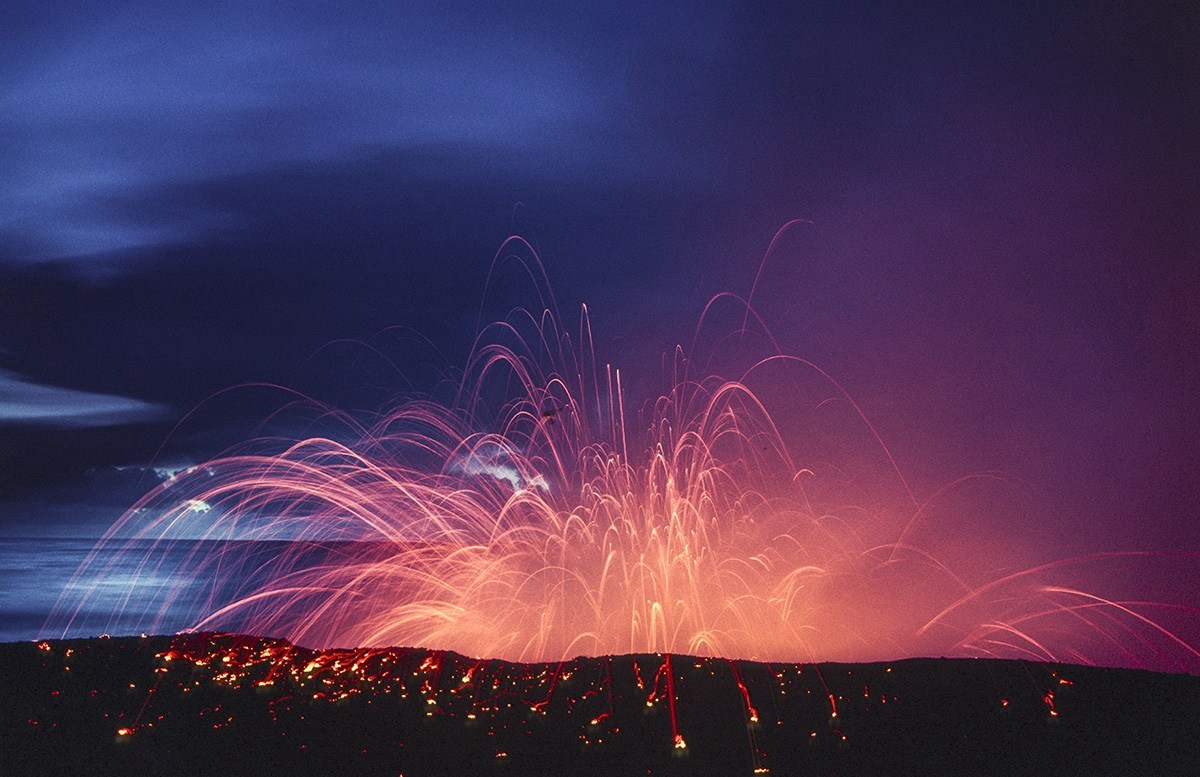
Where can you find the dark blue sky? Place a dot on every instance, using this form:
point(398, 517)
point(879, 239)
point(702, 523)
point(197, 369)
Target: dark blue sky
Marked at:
point(1001, 264)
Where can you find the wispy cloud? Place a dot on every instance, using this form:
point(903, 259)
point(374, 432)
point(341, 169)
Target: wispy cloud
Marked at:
point(25, 402)
point(113, 112)
point(495, 464)
point(165, 471)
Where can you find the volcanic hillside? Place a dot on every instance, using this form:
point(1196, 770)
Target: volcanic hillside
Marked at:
point(223, 704)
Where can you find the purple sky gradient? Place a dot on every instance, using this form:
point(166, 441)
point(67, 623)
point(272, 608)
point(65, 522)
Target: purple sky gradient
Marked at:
point(1000, 264)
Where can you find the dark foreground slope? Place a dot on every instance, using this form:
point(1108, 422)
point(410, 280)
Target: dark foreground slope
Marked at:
point(215, 704)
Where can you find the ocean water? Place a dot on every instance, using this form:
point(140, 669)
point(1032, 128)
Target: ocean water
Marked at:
point(125, 589)
point(37, 576)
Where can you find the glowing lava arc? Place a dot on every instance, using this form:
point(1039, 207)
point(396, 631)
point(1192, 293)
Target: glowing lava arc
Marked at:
point(529, 519)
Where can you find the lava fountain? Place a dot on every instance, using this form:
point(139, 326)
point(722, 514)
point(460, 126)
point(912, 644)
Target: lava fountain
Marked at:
point(537, 516)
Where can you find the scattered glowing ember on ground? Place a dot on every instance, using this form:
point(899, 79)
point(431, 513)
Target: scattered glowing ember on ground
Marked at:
point(758, 718)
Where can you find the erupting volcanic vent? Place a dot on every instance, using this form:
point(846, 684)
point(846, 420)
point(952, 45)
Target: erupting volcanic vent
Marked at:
point(538, 515)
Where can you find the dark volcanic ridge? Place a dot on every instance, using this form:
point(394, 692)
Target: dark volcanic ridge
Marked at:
point(227, 704)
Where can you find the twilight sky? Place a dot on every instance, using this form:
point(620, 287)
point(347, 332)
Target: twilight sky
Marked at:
point(1000, 262)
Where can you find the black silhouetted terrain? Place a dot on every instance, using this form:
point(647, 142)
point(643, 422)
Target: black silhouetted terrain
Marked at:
point(219, 704)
